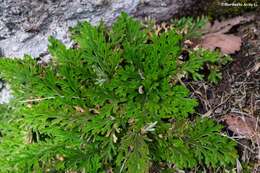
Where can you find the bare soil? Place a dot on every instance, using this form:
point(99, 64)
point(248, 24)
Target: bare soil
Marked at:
point(238, 93)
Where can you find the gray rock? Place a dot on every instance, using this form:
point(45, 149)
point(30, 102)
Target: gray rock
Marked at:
point(163, 10)
point(5, 93)
point(25, 25)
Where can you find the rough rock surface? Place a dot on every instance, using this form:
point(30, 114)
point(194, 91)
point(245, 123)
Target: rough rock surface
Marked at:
point(5, 94)
point(163, 10)
point(26, 24)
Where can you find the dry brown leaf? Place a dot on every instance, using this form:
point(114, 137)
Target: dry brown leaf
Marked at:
point(94, 111)
point(188, 43)
point(215, 37)
point(141, 89)
point(79, 109)
point(243, 126)
point(59, 157)
point(225, 26)
point(228, 44)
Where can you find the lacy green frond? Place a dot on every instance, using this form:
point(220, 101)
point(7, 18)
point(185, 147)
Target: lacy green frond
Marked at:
point(115, 102)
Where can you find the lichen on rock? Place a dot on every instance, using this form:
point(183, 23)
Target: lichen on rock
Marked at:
point(25, 25)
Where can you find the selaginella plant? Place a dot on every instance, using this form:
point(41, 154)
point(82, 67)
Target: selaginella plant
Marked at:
point(113, 103)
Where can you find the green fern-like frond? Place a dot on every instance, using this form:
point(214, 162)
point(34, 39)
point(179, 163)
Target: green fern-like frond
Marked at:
point(114, 102)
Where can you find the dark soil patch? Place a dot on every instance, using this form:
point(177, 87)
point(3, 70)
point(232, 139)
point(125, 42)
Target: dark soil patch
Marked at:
point(239, 90)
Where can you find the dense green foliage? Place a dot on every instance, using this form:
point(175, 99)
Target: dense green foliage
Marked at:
point(114, 102)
